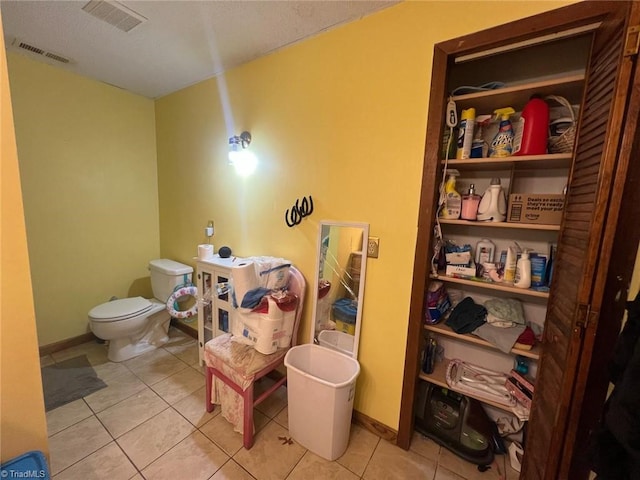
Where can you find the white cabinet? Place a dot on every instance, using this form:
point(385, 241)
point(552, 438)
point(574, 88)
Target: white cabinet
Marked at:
point(214, 311)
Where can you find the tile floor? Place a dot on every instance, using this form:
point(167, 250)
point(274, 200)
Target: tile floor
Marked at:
point(150, 423)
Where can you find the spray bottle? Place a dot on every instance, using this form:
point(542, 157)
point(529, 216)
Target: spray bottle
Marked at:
point(502, 144)
point(465, 133)
point(479, 147)
point(453, 200)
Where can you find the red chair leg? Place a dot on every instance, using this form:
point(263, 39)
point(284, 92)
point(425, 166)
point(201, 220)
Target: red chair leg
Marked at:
point(209, 383)
point(247, 435)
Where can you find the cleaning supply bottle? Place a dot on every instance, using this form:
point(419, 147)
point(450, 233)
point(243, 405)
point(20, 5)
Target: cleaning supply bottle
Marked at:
point(479, 147)
point(493, 206)
point(502, 144)
point(523, 271)
point(465, 133)
point(510, 265)
point(485, 251)
point(532, 129)
point(452, 200)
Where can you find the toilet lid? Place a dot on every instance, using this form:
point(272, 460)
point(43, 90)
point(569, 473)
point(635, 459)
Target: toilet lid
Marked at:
point(120, 309)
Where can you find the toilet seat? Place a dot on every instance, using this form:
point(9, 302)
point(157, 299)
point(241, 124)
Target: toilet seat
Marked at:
point(122, 309)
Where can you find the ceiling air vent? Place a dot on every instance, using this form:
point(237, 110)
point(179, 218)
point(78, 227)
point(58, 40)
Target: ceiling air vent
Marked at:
point(20, 45)
point(115, 14)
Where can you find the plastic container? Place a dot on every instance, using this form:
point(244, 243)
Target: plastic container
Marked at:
point(523, 271)
point(344, 314)
point(336, 340)
point(465, 133)
point(502, 144)
point(32, 464)
point(485, 251)
point(532, 130)
point(470, 203)
point(453, 200)
point(321, 385)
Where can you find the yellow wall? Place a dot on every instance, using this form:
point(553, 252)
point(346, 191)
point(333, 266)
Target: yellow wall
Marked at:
point(341, 117)
point(22, 421)
point(88, 164)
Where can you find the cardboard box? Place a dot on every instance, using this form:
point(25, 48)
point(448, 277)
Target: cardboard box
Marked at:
point(461, 271)
point(535, 208)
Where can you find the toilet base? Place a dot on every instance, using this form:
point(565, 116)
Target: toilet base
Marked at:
point(156, 334)
point(122, 349)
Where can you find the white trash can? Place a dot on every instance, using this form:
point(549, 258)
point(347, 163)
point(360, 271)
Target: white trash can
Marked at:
point(321, 384)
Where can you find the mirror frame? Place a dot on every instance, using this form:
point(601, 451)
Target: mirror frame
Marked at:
point(363, 271)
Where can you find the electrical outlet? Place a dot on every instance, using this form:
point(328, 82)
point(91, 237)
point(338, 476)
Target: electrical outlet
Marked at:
point(373, 246)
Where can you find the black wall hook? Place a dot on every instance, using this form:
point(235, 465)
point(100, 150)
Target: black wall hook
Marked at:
point(299, 211)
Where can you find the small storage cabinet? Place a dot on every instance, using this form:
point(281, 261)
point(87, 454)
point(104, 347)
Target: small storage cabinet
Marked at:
point(214, 310)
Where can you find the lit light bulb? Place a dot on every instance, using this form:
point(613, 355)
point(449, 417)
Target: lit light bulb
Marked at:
point(244, 161)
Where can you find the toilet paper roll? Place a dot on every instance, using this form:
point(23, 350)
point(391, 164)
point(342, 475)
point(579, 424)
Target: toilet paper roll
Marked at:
point(205, 252)
point(244, 279)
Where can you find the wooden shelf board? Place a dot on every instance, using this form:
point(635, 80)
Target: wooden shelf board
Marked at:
point(442, 329)
point(548, 161)
point(569, 86)
point(491, 286)
point(439, 377)
point(519, 226)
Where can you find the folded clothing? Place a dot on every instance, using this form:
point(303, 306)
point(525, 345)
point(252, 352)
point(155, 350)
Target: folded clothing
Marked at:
point(466, 316)
point(504, 312)
point(503, 338)
point(526, 340)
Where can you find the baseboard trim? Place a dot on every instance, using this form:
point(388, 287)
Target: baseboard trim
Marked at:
point(192, 332)
point(374, 426)
point(68, 343)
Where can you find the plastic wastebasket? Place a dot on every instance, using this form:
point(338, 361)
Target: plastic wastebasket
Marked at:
point(321, 385)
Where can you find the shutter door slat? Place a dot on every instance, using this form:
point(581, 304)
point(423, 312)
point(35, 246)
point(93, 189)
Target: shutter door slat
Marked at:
point(574, 267)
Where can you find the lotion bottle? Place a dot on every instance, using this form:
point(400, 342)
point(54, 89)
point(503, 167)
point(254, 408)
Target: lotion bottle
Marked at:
point(470, 203)
point(510, 266)
point(523, 271)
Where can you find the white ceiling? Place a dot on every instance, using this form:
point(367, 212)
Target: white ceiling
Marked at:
point(180, 43)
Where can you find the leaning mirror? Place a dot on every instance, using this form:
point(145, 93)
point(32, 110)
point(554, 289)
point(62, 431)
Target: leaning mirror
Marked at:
point(340, 265)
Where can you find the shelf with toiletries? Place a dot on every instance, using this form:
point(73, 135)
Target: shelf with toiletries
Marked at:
point(549, 160)
point(442, 329)
point(484, 284)
point(521, 226)
point(568, 86)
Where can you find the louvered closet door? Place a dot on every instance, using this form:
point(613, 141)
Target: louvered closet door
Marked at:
point(582, 250)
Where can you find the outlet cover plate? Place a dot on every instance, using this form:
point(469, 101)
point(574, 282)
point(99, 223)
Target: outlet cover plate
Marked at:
point(373, 246)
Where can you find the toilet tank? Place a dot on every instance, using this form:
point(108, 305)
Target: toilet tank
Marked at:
point(166, 275)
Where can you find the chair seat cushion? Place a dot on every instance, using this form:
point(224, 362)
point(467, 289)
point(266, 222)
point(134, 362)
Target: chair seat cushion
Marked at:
point(240, 362)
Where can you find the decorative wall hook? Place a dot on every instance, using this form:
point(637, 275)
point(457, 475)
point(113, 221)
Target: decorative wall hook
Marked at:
point(299, 211)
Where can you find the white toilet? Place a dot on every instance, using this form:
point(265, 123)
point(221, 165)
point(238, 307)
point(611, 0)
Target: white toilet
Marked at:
point(136, 325)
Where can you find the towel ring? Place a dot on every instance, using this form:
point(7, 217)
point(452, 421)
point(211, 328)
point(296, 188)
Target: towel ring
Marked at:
point(182, 292)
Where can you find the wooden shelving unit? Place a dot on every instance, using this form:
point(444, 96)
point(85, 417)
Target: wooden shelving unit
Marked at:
point(518, 226)
point(442, 329)
point(479, 283)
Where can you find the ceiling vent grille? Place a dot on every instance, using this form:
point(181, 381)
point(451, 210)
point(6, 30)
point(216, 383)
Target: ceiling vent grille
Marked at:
point(20, 45)
point(115, 14)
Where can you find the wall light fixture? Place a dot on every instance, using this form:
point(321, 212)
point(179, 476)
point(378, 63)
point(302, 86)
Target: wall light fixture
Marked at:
point(240, 156)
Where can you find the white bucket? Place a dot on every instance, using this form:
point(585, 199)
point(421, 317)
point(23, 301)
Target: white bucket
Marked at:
point(320, 387)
